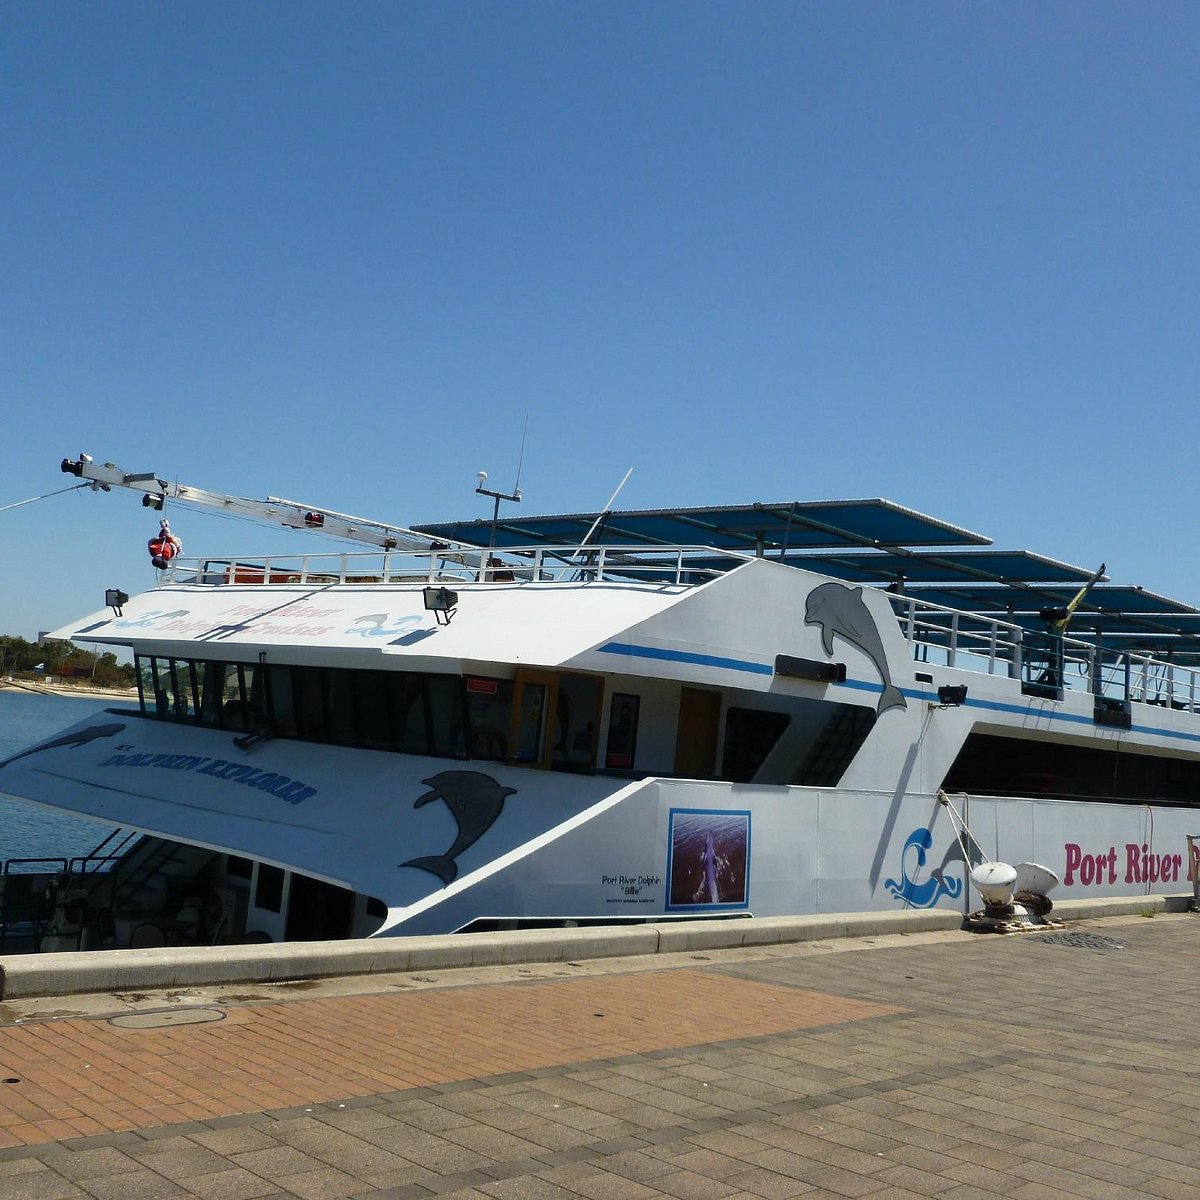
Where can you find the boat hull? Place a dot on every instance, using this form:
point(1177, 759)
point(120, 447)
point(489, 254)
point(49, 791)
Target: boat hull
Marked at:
point(446, 844)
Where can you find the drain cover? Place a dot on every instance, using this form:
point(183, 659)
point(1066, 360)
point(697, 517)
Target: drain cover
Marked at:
point(1089, 941)
point(165, 1017)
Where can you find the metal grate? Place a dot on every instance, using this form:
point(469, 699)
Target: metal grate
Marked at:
point(1089, 941)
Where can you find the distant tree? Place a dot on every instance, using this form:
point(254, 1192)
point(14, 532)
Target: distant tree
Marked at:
point(19, 657)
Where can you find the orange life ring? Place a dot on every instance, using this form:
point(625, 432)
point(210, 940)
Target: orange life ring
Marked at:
point(162, 550)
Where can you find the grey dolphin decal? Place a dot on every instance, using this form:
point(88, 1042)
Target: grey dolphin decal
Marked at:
point(841, 611)
point(80, 737)
point(475, 801)
point(708, 892)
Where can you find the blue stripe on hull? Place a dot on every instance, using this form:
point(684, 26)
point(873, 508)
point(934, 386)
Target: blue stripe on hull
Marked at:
point(863, 685)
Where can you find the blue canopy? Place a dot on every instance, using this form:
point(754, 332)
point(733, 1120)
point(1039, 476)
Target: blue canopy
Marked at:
point(821, 524)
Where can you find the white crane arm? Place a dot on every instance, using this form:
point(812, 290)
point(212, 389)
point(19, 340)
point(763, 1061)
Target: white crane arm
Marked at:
point(289, 513)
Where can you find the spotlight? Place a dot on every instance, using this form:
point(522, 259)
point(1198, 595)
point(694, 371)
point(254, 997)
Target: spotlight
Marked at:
point(116, 600)
point(442, 602)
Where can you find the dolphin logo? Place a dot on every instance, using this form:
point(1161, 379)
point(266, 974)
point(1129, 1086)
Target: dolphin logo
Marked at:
point(708, 893)
point(80, 737)
point(841, 611)
point(148, 619)
point(939, 884)
point(475, 801)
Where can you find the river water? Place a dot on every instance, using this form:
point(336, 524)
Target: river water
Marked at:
point(28, 830)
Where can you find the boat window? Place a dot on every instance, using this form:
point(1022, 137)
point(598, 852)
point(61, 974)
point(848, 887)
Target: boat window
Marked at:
point(577, 711)
point(210, 679)
point(153, 697)
point(489, 710)
point(1020, 766)
point(750, 735)
point(834, 734)
point(308, 700)
point(167, 687)
point(622, 731)
point(444, 708)
point(268, 890)
point(531, 723)
point(235, 704)
point(339, 706)
point(379, 710)
point(238, 867)
point(282, 702)
point(185, 701)
point(372, 708)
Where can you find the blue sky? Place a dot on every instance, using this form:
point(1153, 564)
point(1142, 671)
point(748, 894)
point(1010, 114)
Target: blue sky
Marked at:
point(944, 253)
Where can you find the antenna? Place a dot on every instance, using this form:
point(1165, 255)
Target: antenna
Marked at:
point(514, 497)
point(520, 459)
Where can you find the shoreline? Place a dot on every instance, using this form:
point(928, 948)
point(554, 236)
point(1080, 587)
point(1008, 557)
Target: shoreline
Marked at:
point(71, 691)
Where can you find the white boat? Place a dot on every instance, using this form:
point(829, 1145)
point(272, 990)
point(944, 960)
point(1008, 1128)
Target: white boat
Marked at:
point(619, 717)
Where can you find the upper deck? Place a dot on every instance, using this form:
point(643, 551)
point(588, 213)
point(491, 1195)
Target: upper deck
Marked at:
point(1106, 658)
point(1052, 626)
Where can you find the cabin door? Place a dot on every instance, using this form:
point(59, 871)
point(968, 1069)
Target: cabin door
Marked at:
point(535, 694)
point(696, 739)
point(554, 720)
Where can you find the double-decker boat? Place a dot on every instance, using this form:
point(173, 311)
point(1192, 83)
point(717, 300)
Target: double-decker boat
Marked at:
point(616, 716)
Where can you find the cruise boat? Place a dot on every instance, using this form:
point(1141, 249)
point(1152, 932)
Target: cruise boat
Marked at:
point(617, 716)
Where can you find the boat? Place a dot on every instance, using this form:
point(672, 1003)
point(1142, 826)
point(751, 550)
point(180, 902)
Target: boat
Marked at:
point(627, 716)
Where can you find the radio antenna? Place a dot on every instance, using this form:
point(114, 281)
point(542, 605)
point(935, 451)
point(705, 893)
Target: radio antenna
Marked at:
point(521, 457)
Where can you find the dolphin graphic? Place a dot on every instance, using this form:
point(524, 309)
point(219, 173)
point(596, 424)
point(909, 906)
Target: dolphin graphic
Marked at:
point(148, 619)
point(475, 801)
point(708, 893)
point(841, 611)
point(80, 737)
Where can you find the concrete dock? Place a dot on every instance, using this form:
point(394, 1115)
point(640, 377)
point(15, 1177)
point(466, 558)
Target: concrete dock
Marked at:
point(919, 1063)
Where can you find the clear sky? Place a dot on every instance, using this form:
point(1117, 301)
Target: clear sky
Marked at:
point(944, 253)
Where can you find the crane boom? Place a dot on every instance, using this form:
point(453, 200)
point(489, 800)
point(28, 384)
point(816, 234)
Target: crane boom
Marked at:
point(289, 513)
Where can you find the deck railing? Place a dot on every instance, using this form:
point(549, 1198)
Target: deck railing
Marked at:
point(1045, 664)
point(676, 566)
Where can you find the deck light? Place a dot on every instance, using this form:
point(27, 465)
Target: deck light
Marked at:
point(442, 602)
point(952, 695)
point(116, 600)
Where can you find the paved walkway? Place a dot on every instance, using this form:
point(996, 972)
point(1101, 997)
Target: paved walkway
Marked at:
point(944, 1065)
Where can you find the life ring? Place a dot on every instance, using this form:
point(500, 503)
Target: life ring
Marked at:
point(163, 547)
point(161, 551)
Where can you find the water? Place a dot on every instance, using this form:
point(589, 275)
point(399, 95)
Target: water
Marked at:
point(26, 830)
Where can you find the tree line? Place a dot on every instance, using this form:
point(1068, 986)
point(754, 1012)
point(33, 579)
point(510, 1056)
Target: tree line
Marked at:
point(62, 660)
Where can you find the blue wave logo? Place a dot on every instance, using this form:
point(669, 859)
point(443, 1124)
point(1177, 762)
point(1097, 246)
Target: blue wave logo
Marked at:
point(925, 893)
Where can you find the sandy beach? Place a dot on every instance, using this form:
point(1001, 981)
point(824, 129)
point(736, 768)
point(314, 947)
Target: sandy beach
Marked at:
point(81, 690)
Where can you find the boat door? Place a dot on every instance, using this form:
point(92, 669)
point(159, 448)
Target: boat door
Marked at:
point(555, 716)
point(534, 695)
point(696, 739)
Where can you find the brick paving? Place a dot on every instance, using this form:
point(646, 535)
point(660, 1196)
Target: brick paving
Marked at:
point(965, 1067)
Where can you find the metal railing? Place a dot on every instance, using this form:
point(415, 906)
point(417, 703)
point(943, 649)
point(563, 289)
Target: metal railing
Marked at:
point(1045, 664)
point(32, 890)
point(676, 566)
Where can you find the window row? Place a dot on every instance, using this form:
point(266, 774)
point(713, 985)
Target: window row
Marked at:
point(540, 718)
point(378, 710)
